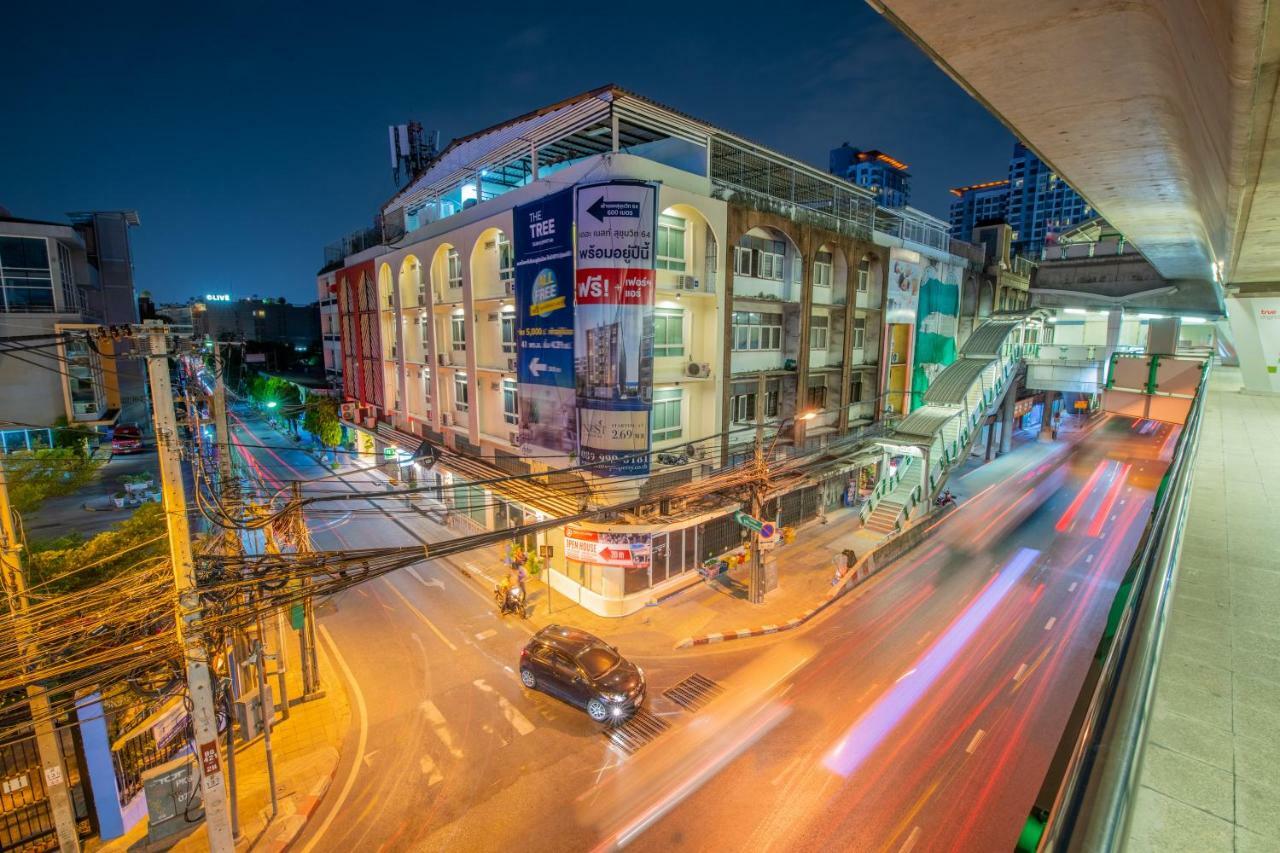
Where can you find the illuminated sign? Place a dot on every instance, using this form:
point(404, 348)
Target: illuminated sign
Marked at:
point(217, 297)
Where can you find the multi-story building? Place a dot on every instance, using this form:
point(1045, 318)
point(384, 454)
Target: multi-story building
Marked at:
point(1034, 200)
point(627, 360)
point(254, 319)
point(330, 336)
point(50, 283)
point(886, 176)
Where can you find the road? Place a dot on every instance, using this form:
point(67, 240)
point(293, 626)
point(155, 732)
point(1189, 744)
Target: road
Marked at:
point(924, 719)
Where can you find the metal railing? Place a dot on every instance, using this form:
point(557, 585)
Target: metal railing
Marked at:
point(1091, 809)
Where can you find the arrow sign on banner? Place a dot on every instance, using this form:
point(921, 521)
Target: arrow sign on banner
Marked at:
point(536, 367)
point(748, 521)
point(601, 208)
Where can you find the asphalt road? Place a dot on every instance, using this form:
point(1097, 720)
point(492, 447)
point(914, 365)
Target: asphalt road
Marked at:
point(924, 717)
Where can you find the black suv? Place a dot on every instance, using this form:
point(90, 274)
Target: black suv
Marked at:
point(584, 670)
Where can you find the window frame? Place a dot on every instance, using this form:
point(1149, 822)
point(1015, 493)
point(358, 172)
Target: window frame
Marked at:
point(507, 321)
point(667, 232)
point(510, 391)
point(824, 327)
point(665, 319)
point(461, 393)
point(458, 342)
point(453, 268)
point(666, 400)
point(859, 332)
point(824, 270)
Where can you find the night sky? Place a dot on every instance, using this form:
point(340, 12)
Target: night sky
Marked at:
point(247, 139)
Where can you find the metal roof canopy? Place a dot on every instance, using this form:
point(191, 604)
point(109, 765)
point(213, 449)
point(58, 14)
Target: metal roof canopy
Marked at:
point(926, 421)
point(952, 384)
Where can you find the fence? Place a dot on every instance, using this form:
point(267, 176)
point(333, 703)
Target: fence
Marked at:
point(26, 819)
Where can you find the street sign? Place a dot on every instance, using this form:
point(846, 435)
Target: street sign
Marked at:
point(297, 617)
point(767, 530)
point(748, 521)
point(546, 551)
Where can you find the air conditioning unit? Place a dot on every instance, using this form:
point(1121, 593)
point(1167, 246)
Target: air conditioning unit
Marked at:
point(648, 510)
point(688, 282)
point(513, 438)
point(444, 420)
point(697, 369)
point(493, 317)
point(443, 359)
point(511, 364)
point(349, 411)
point(509, 287)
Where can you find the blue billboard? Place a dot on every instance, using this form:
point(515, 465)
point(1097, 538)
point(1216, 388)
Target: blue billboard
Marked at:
point(544, 323)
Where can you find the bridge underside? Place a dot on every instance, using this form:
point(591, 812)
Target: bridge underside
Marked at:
point(1160, 112)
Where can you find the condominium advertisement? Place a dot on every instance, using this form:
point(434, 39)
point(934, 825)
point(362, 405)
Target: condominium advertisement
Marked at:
point(629, 550)
point(544, 325)
point(613, 343)
point(905, 275)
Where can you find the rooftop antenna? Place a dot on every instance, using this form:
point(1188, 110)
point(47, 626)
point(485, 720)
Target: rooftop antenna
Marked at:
point(412, 152)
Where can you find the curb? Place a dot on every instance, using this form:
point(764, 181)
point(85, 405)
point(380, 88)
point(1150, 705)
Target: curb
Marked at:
point(292, 826)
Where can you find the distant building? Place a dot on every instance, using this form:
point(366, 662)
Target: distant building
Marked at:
point(66, 277)
point(887, 177)
point(330, 333)
point(146, 306)
point(1037, 202)
point(265, 320)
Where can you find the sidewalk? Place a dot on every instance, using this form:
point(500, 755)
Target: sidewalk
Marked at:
point(306, 748)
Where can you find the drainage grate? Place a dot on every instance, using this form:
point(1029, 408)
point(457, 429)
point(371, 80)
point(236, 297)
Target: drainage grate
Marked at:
point(633, 733)
point(694, 692)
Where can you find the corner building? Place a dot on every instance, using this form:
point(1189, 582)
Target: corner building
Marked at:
point(760, 266)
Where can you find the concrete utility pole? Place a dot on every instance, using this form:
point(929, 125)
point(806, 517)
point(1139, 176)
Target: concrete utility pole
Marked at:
point(189, 610)
point(219, 411)
point(53, 771)
point(756, 585)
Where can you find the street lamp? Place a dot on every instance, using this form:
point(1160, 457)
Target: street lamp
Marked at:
point(271, 404)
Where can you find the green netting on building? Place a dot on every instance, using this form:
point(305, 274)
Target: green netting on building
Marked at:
point(935, 334)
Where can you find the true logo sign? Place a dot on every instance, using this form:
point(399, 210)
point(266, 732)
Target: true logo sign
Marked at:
point(601, 209)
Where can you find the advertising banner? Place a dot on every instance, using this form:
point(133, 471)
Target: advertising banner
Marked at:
point(629, 550)
point(905, 271)
point(613, 344)
point(544, 323)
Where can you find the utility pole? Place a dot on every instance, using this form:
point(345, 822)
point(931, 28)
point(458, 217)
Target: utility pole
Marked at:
point(221, 431)
point(306, 636)
point(756, 586)
point(189, 609)
point(53, 771)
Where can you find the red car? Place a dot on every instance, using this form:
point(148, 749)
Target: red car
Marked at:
point(126, 438)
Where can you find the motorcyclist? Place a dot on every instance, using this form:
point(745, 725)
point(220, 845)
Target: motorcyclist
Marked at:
point(504, 592)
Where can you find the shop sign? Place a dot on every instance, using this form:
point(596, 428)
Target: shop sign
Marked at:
point(628, 550)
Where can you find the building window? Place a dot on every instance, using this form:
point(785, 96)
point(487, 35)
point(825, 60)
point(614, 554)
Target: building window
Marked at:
point(461, 399)
point(458, 327)
point(823, 270)
point(767, 260)
point(665, 418)
point(426, 384)
point(864, 274)
point(422, 332)
point(70, 302)
point(670, 249)
point(24, 267)
point(818, 331)
point(817, 397)
point(855, 389)
point(455, 268)
point(742, 407)
point(859, 332)
point(506, 259)
point(508, 322)
point(741, 260)
point(668, 332)
point(510, 402)
point(755, 331)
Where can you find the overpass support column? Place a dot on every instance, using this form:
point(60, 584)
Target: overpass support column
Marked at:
point(1046, 420)
point(991, 441)
point(1006, 419)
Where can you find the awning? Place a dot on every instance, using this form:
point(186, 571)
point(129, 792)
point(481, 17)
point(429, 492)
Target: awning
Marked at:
point(406, 441)
point(528, 492)
point(925, 421)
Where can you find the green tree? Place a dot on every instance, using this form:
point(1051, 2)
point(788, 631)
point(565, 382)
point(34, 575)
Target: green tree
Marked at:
point(320, 418)
point(65, 435)
point(36, 475)
point(139, 537)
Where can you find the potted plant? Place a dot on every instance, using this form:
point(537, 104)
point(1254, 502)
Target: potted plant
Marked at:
point(137, 484)
point(118, 499)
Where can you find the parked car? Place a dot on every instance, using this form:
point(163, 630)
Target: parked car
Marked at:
point(583, 670)
point(126, 438)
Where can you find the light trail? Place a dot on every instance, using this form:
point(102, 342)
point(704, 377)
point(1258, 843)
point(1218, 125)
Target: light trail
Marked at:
point(1100, 517)
point(1069, 516)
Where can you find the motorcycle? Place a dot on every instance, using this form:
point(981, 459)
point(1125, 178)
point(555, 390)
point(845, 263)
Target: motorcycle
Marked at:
point(511, 602)
point(944, 500)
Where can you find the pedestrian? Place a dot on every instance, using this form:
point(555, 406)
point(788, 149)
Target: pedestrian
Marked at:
point(1057, 423)
point(521, 577)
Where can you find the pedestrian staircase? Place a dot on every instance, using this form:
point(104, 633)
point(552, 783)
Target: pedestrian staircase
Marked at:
point(941, 432)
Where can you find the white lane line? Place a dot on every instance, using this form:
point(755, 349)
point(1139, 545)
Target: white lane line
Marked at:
point(1017, 676)
point(924, 637)
point(1073, 586)
point(484, 635)
point(977, 739)
point(1049, 625)
point(362, 740)
point(514, 717)
point(434, 776)
point(441, 728)
point(1089, 559)
point(436, 582)
point(420, 615)
point(911, 841)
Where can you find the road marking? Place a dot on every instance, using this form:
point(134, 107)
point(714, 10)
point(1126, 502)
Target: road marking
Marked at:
point(429, 770)
point(441, 728)
point(436, 582)
point(1089, 559)
point(361, 740)
point(514, 717)
point(484, 635)
point(977, 739)
point(1073, 586)
point(1022, 670)
point(924, 637)
point(911, 841)
point(421, 616)
point(368, 757)
point(905, 674)
point(1049, 625)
